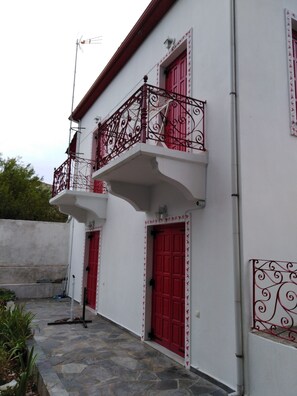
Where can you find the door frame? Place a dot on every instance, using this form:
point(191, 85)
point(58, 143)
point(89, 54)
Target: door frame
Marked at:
point(147, 276)
point(184, 44)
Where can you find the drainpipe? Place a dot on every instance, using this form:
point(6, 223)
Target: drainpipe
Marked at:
point(237, 250)
point(71, 236)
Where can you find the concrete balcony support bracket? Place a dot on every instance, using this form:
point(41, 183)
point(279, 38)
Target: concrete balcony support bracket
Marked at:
point(133, 174)
point(137, 195)
point(82, 205)
point(188, 177)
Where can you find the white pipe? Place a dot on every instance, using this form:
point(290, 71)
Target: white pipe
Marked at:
point(71, 233)
point(237, 251)
point(72, 298)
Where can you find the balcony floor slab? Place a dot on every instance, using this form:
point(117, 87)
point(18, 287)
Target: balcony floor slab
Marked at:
point(133, 173)
point(83, 206)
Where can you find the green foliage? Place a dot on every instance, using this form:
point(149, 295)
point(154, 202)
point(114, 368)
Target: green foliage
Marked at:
point(15, 329)
point(16, 361)
point(6, 295)
point(5, 365)
point(23, 195)
point(26, 373)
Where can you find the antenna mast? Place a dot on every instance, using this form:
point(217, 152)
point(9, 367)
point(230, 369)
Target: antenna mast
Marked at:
point(94, 40)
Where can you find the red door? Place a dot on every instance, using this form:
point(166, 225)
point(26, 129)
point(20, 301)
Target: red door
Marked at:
point(92, 268)
point(168, 294)
point(176, 81)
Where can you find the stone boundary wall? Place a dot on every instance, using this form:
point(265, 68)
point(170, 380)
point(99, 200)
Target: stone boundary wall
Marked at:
point(33, 257)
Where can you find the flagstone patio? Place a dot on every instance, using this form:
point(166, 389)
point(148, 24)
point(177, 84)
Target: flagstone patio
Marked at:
point(104, 359)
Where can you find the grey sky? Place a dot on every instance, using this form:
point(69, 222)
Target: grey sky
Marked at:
point(36, 70)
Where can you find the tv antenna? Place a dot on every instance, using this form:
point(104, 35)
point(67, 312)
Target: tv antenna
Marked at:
point(78, 45)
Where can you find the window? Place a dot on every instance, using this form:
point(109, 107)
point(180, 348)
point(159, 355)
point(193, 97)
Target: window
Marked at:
point(291, 24)
point(98, 185)
point(174, 74)
point(294, 45)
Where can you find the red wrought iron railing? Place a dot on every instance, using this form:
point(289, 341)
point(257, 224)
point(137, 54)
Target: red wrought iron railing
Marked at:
point(76, 174)
point(152, 115)
point(275, 298)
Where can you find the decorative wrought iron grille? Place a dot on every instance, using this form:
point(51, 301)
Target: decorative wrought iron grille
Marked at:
point(275, 298)
point(152, 115)
point(76, 174)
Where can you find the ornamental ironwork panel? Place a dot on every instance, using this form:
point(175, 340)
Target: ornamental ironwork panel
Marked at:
point(156, 116)
point(275, 298)
point(76, 174)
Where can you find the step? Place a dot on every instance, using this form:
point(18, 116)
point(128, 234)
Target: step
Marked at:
point(35, 290)
point(31, 274)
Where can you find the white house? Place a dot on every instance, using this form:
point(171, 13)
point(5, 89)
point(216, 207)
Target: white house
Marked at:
point(182, 188)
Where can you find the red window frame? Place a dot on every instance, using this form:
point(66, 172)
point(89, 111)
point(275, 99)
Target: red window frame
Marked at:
point(294, 46)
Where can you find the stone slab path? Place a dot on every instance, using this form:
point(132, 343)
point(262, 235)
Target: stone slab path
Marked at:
point(104, 359)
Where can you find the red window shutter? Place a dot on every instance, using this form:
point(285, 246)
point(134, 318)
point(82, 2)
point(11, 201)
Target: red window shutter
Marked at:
point(98, 185)
point(71, 150)
point(176, 81)
point(294, 44)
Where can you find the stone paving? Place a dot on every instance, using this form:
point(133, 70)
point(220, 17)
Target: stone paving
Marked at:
point(104, 359)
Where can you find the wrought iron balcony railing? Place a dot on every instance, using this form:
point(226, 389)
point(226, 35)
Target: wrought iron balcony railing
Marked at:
point(275, 298)
point(152, 115)
point(76, 174)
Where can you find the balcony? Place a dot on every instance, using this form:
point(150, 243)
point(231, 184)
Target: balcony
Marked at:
point(275, 298)
point(76, 193)
point(156, 136)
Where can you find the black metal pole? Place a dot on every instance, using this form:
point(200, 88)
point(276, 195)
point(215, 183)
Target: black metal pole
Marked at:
point(84, 307)
point(71, 321)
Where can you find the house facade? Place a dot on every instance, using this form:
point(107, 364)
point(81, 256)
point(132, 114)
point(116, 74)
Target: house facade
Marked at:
point(180, 180)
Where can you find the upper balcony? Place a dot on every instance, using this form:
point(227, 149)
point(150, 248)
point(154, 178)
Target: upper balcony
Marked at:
point(155, 136)
point(76, 193)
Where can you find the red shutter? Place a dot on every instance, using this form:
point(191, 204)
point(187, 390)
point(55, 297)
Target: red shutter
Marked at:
point(294, 43)
point(176, 81)
point(98, 185)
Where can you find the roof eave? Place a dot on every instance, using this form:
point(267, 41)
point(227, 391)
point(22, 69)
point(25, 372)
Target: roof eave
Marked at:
point(152, 15)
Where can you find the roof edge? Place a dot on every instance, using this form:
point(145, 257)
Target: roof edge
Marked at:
point(152, 15)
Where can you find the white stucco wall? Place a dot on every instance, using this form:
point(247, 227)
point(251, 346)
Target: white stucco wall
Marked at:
point(273, 368)
point(32, 252)
point(121, 266)
point(268, 172)
point(122, 249)
point(76, 260)
point(267, 190)
point(267, 150)
point(24, 243)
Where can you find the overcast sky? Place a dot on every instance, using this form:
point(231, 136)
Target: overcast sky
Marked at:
point(38, 41)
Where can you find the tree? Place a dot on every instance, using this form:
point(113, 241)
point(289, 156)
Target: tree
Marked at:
point(23, 195)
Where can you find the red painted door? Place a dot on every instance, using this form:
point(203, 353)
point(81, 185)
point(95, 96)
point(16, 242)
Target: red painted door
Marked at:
point(168, 294)
point(176, 81)
point(92, 268)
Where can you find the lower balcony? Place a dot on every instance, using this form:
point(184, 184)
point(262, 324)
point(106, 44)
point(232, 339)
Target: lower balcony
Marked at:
point(275, 299)
point(77, 194)
point(156, 136)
